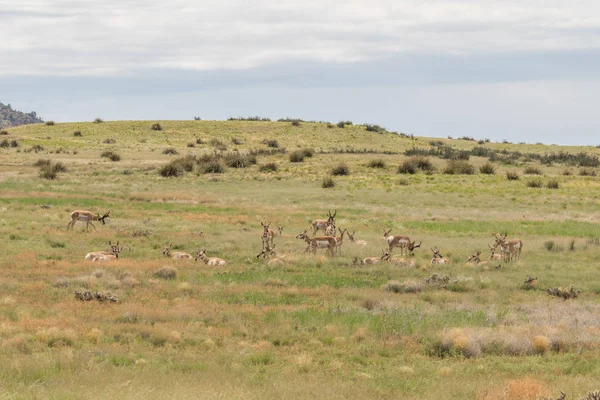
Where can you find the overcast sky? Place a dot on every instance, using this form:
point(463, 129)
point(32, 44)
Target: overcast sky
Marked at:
point(499, 69)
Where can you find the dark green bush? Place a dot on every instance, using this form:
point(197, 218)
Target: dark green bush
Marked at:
point(459, 167)
point(156, 127)
point(340, 170)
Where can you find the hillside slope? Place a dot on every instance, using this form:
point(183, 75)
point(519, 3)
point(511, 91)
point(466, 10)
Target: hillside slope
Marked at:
point(10, 117)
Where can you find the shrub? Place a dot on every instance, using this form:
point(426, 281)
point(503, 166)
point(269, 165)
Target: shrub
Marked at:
point(534, 183)
point(532, 170)
point(296, 122)
point(459, 167)
point(109, 141)
point(9, 143)
point(487, 168)
point(50, 171)
point(42, 163)
point(186, 163)
point(111, 155)
point(407, 167)
point(268, 167)
point(213, 167)
point(236, 141)
point(340, 170)
point(296, 156)
point(237, 160)
point(156, 127)
point(199, 141)
point(172, 169)
point(328, 182)
point(567, 172)
point(308, 152)
point(375, 128)
point(552, 184)
point(77, 133)
point(512, 176)
point(551, 245)
point(191, 144)
point(49, 123)
point(98, 121)
point(587, 172)
point(3, 132)
point(166, 273)
point(170, 151)
point(330, 125)
point(342, 124)
point(271, 143)
point(217, 144)
point(423, 163)
point(377, 163)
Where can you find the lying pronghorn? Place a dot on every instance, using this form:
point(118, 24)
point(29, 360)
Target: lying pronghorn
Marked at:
point(175, 254)
point(438, 258)
point(476, 259)
point(403, 242)
point(376, 260)
point(210, 260)
point(403, 262)
point(318, 242)
point(494, 255)
point(270, 253)
point(114, 251)
point(360, 242)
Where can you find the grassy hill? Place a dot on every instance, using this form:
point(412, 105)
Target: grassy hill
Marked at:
point(318, 326)
point(10, 117)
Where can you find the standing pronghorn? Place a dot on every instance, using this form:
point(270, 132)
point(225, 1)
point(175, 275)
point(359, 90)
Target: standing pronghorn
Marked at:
point(512, 248)
point(400, 241)
point(360, 242)
point(318, 242)
point(114, 251)
point(340, 240)
point(175, 254)
point(322, 224)
point(87, 217)
point(210, 260)
point(438, 258)
point(267, 236)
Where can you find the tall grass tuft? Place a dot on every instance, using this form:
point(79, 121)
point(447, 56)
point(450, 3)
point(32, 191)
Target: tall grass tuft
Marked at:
point(377, 163)
point(328, 182)
point(297, 156)
point(487, 169)
point(534, 183)
point(111, 155)
point(512, 176)
point(340, 170)
point(532, 170)
point(459, 167)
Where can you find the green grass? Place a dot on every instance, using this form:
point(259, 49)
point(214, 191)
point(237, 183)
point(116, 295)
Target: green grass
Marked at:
point(316, 326)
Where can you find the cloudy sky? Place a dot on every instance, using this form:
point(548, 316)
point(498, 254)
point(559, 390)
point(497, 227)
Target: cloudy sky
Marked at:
point(499, 69)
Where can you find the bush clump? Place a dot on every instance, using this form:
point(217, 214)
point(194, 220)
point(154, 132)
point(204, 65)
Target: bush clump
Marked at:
point(296, 122)
point(9, 143)
point(3, 132)
point(459, 167)
point(487, 169)
point(170, 170)
point(170, 151)
point(512, 176)
point(414, 164)
point(111, 155)
point(377, 163)
point(308, 152)
point(534, 183)
point(342, 124)
point(156, 127)
point(213, 167)
point(50, 170)
point(328, 182)
point(340, 170)
point(109, 141)
point(553, 184)
point(98, 121)
point(271, 143)
point(166, 273)
point(532, 170)
point(268, 167)
point(297, 156)
point(236, 141)
point(375, 128)
point(49, 123)
point(587, 172)
point(237, 160)
point(77, 134)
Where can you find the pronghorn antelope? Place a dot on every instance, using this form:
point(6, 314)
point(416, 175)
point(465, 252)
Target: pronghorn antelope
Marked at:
point(438, 258)
point(375, 260)
point(512, 248)
point(175, 254)
point(210, 260)
point(318, 242)
point(269, 252)
point(324, 223)
point(351, 237)
point(403, 262)
point(400, 241)
point(87, 217)
point(476, 259)
point(494, 255)
point(280, 230)
point(268, 235)
point(340, 240)
point(114, 249)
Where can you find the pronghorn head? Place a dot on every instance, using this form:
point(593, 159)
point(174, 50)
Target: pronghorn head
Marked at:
point(436, 253)
point(102, 218)
point(499, 239)
point(412, 245)
point(386, 233)
point(331, 217)
point(475, 257)
point(342, 231)
point(351, 236)
point(280, 229)
point(266, 226)
point(167, 249)
point(385, 254)
point(200, 255)
point(114, 248)
point(266, 251)
point(302, 235)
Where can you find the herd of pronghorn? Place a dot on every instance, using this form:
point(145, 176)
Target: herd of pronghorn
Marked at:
point(500, 250)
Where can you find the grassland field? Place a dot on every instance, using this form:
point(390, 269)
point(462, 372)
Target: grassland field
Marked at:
point(318, 326)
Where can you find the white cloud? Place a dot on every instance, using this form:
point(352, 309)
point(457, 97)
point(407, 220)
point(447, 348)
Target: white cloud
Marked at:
point(60, 37)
